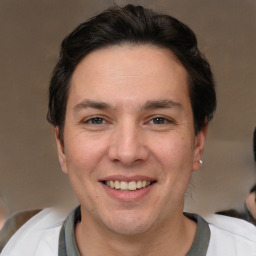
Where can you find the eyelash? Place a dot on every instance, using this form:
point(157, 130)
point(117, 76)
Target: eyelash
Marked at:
point(153, 120)
point(96, 119)
point(162, 120)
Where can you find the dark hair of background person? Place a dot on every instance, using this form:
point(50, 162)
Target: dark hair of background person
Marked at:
point(133, 25)
point(253, 189)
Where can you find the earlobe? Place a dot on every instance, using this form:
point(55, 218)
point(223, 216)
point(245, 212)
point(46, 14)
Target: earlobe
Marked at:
point(199, 148)
point(61, 151)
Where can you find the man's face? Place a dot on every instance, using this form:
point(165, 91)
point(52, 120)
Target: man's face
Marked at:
point(129, 124)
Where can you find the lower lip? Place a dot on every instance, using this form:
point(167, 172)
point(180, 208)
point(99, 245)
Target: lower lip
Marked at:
point(128, 196)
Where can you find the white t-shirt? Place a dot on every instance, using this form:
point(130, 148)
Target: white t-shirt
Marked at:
point(40, 236)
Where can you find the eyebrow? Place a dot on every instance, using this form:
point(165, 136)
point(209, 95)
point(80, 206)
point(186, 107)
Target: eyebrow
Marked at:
point(91, 104)
point(149, 105)
point(156, 104)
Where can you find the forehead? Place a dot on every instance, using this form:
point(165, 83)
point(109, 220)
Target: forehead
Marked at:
point(127, 72)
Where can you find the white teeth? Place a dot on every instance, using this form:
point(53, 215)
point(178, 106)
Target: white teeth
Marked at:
point(131, 186)
point(112, 184)
point(139, 184)
point(117, 184)
point(124, 185)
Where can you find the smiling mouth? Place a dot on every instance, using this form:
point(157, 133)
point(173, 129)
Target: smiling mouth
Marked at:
point(128, 186)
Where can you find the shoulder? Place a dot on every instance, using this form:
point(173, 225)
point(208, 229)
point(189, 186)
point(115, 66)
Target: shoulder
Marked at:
point(231, 236)
point(39, 236)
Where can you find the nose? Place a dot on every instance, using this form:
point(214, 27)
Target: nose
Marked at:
point(128, 145)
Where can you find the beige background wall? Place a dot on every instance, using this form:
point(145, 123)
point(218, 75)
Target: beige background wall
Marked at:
point(30, 35)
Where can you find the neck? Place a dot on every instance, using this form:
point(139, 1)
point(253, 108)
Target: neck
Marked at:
point(173, 237)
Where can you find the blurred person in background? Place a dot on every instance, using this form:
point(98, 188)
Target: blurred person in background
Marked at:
point(249, 212)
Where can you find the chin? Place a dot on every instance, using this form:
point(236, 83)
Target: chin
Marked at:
point(128, 224)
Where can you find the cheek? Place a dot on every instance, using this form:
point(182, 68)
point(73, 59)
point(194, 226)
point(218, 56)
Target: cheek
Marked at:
point(175, 156)
point(173, 150)
point(83, 153)
point(84, 156)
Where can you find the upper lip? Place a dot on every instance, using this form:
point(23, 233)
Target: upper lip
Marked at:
point(126, 178)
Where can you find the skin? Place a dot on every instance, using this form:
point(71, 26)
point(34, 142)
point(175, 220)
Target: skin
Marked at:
point(251, 204)
point(3, 213)
point(2, 220)
point(127, 117)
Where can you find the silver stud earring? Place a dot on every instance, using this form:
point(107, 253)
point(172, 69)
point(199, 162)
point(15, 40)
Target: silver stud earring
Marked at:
point(200, 161)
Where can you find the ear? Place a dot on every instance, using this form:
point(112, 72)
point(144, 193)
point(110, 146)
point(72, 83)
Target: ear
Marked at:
point(199, 148)
point(61, 151)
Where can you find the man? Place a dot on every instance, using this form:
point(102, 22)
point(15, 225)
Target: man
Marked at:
point(130, 98)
